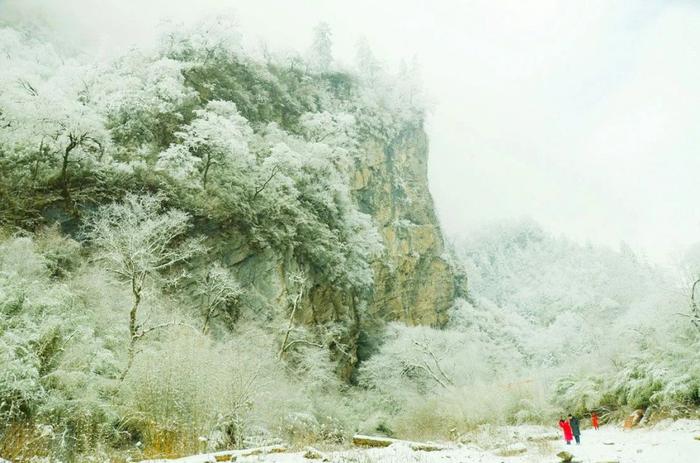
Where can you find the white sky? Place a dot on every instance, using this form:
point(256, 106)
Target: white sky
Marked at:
point(584, 115)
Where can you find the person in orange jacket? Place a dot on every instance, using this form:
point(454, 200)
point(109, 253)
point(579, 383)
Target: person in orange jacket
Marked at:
point(594, 420)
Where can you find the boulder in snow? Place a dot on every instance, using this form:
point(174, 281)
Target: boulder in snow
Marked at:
point(566, 457)
point(312, 454)
point(634, 419)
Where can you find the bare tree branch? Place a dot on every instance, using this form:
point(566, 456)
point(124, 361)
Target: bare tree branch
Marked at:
point(424, 348)
point(161, 326)
point(258, 190)
point(137, 240)
point(295, 304)
point(288, 345)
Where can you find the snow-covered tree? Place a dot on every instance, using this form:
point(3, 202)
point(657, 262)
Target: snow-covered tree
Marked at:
point(321, 51)
point(369, 67)
point(336, 130)
point(217, 136)
point(203, 40)
point(410, 97)
point(144, 97)
point(137, 240)
point(217, 289)
point(51, 122)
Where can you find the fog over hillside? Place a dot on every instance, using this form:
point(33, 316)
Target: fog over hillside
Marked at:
point(581, 115)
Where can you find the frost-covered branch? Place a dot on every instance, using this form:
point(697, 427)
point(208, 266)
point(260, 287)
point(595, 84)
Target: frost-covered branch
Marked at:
point(427, 351)
point(259, 189)
point(136, 241)
point(295, 302)
point(216, 290)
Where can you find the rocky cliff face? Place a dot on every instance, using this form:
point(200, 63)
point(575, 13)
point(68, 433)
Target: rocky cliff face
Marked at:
point(413, 282)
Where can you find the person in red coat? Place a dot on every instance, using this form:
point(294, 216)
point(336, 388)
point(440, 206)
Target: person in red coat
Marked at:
point(594, 420)
point(566, 427)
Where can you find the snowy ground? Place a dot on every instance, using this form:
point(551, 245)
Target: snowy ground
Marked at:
point(670, 442)
point(675, 444)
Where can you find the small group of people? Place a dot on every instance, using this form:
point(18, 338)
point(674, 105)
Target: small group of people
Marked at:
point(572, 429)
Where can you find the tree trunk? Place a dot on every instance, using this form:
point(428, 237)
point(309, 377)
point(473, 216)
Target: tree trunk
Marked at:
point(209, 310)
point(65, 187)
point(297, 300)
point(695, 315)
point(206, 171)
point(130, 359)
point(207, 317)
point(37, 162)
point(136, 287)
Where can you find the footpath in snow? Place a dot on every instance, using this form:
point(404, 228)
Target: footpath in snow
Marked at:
point(668, 442)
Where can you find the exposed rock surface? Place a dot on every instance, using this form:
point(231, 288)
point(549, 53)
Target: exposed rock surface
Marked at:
point(633, 419)
point(413, 282)
point(312, 454)
point(361, 440)
point(565, 457)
